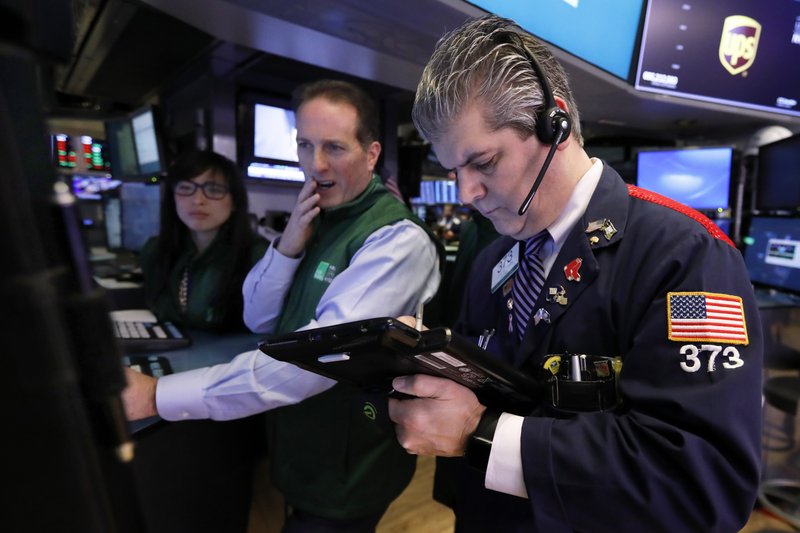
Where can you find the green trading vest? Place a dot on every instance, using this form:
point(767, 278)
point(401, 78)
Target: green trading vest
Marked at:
point(326, 456)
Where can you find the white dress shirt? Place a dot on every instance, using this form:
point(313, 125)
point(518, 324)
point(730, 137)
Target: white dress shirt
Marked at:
point(504, 470)
point(396, 268)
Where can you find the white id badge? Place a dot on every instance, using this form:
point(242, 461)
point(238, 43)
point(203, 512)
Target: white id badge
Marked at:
point(506, 267)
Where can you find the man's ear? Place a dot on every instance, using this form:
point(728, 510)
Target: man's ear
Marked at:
point(373, 152)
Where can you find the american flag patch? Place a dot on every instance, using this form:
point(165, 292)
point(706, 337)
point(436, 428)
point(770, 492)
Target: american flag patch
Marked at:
point(705, 316)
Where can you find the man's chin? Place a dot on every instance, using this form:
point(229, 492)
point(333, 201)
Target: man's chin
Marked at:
point(509, 228)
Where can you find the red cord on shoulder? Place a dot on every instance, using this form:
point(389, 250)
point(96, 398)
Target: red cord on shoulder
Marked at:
point(649, 196)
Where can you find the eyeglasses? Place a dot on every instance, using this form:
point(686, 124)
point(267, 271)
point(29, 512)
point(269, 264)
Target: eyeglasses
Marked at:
point(211, 189)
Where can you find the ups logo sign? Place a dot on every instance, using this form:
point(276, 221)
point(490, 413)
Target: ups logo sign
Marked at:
point(739, 43)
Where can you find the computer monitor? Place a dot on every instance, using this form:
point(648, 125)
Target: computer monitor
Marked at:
point(121, 148)
point(269, 139)
point(112, 219)
point(772, 252)
point(437, 192)
point(140, 213)
point(89, 187)
point(94, 154)
point(146, 137)
point(135, 145)
point(697, 177)
point(735, 52)
point(62, 151)
point(604, 34)
point(778, 180)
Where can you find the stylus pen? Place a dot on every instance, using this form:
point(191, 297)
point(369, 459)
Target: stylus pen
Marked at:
point(420, 309)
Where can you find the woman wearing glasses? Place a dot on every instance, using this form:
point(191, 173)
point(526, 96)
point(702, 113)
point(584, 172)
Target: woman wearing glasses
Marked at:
point(193, 271)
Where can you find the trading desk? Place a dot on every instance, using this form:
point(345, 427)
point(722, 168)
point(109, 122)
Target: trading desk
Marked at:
point(196, 476)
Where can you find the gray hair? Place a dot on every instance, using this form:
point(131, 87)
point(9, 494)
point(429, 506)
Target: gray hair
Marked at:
point(475, 62)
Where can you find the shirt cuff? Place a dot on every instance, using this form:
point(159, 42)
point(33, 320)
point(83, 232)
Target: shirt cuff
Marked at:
point(179, 396)
point(504, 470)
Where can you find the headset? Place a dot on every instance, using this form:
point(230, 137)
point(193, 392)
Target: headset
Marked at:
point(553, 124)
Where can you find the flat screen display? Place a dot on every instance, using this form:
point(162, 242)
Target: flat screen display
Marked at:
point(121, 148)
point(139, 205)
point(772, 254)
point(601, 33)
point(275, 133)
point(778, 181)
point(63, 153)
point(148, 153)
point(697, 177)
point(94, 154)
point(87, 187)
point(434, 192)
point(274, 148)
point(738, 52)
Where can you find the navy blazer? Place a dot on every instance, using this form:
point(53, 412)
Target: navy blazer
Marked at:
point(682, 453)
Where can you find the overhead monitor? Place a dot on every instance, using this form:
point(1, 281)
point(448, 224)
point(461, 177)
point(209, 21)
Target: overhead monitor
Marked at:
point(772, 252)
point(269, 140)
point(149, 154)
point(63, 152)
point(121, 148)
point(738, 52)
point(601, 33)
point(697, 177)
point(778, 180)
point(135, 145)
point(94, 154)
point(437, 192)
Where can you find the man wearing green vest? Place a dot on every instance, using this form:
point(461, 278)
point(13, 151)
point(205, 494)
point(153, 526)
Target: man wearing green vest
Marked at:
point(350, 251)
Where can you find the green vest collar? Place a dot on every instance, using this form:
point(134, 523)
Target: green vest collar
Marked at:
point(357, 205)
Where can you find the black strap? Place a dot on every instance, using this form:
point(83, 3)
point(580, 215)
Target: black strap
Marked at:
point(479, 444)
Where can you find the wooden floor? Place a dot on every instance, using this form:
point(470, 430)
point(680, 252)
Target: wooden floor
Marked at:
point(416, 512)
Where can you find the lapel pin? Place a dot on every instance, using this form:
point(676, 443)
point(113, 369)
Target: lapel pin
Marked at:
point(608, 229)
point(557, 295)
point(540, 315)
point(572, 269)
point(605, 225)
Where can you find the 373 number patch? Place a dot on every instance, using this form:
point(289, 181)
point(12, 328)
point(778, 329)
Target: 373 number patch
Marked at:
point(709, 354)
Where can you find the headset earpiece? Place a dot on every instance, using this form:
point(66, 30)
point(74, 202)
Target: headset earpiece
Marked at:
point(549, 122)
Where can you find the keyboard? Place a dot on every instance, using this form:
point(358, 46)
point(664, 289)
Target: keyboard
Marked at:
point(140, 331)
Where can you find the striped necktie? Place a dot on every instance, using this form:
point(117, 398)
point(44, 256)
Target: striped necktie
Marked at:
point(528, 282)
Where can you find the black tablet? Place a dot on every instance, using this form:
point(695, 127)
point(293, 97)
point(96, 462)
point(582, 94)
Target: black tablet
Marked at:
point(370, 353)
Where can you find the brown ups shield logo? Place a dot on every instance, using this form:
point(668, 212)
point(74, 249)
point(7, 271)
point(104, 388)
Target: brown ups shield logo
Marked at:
point(739, 43)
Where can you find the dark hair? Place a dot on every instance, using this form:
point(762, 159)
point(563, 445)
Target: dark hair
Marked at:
point(236, 231)
point(339, 91)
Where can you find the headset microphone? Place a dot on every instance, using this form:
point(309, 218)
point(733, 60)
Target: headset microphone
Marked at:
point(553, 124)
point(560, 135)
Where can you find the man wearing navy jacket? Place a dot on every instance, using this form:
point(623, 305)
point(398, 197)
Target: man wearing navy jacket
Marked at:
point(635, 312)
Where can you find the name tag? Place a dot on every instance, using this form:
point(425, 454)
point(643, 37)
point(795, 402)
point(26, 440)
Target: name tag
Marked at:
point(505, 268)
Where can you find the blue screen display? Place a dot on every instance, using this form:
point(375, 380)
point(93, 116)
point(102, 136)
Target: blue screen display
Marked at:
point(601, 33)
point(697, 177)
point(778, 184)
point(772, 255)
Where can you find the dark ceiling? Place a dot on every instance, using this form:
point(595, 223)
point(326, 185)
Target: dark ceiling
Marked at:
point(126, 51)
